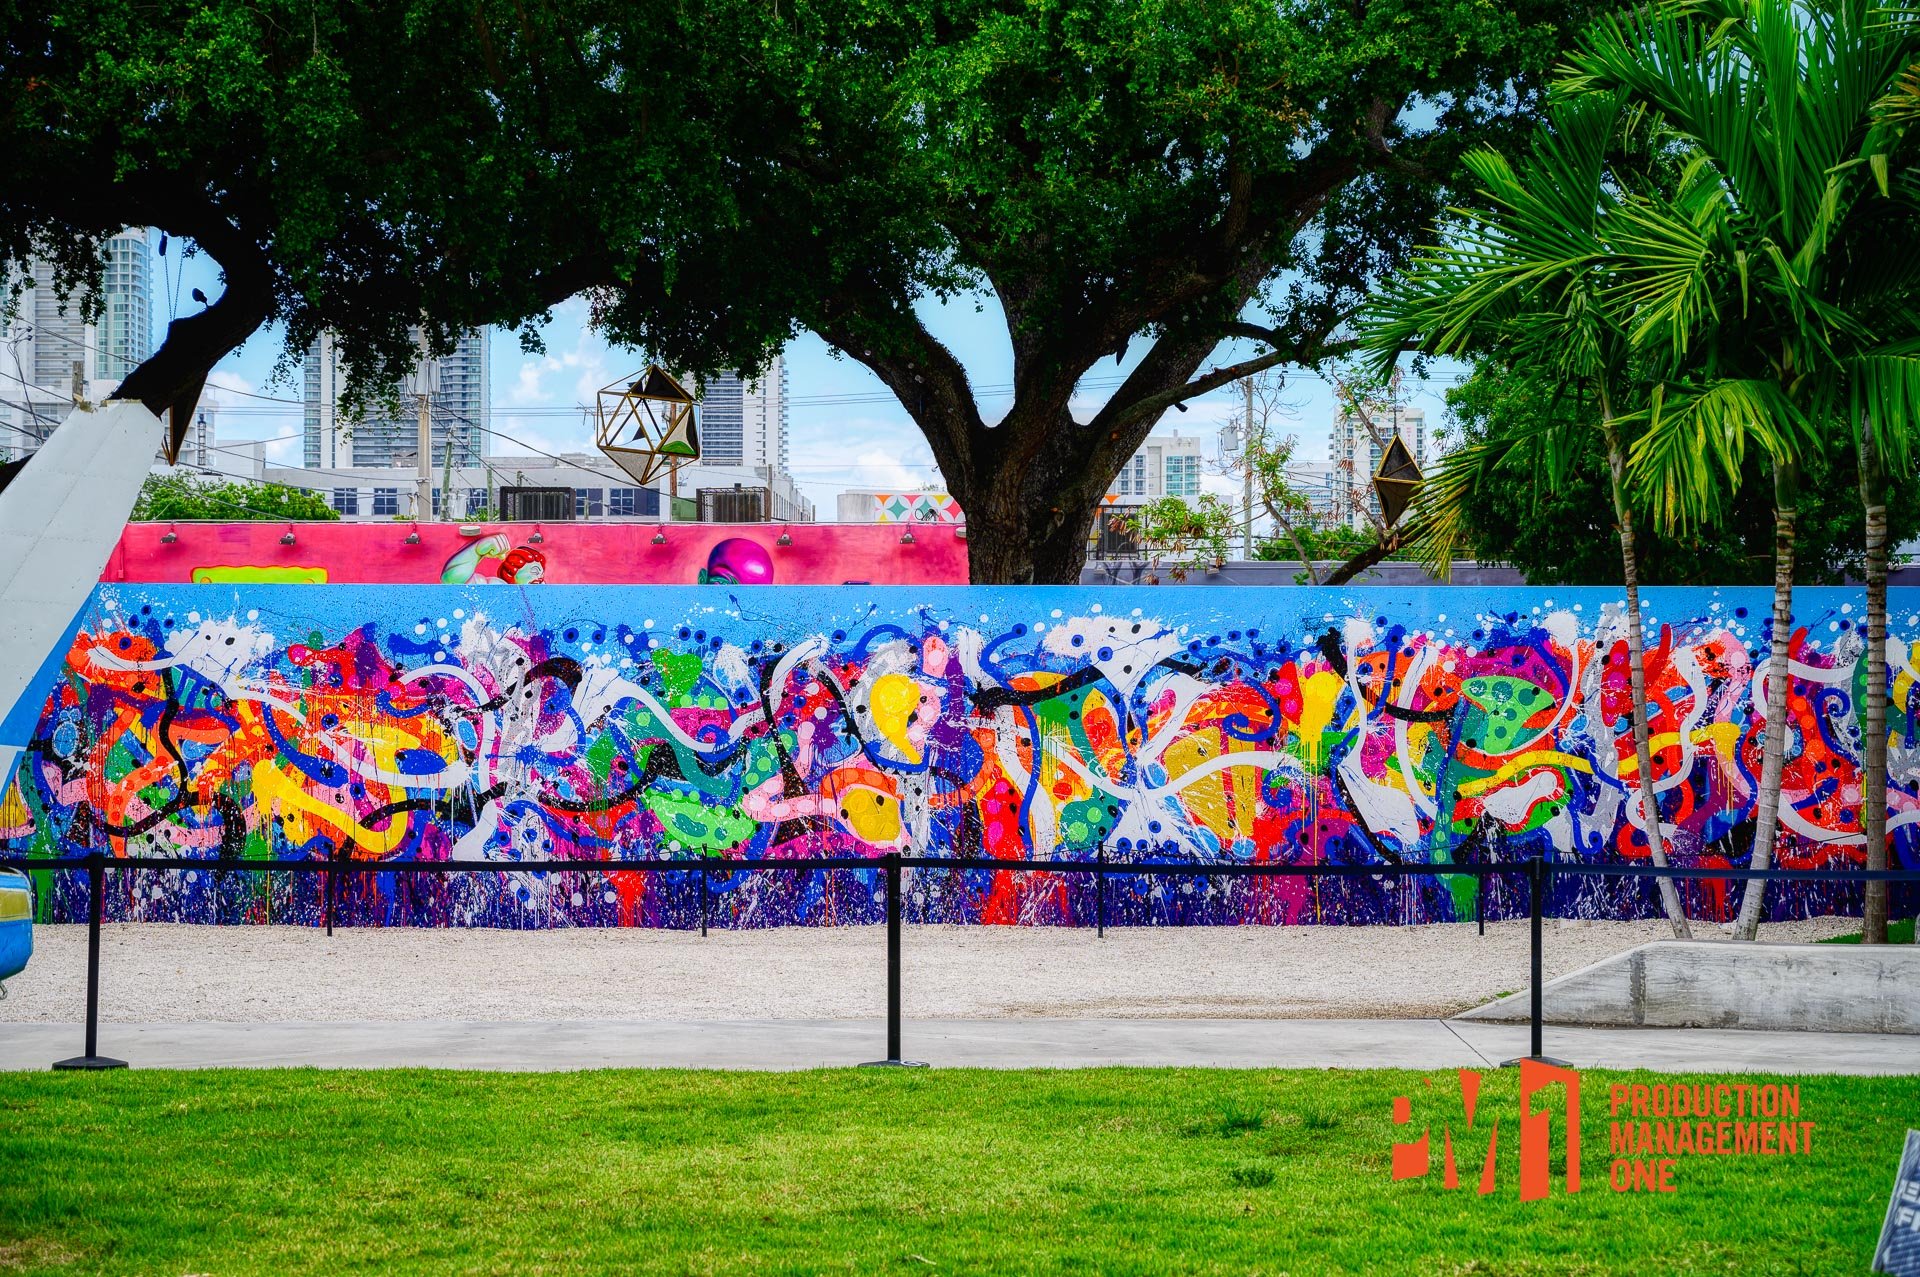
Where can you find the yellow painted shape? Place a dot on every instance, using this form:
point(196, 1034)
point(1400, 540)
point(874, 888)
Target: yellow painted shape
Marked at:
point(1724, 737)
point(241, 574)
point(1527, 761)
point(273, 788)
point(1319, 694)
point(894, 701)
point(13, 809)
point(15, 903)
point(873, 816)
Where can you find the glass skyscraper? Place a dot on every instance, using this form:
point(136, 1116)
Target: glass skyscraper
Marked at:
point(461, 413)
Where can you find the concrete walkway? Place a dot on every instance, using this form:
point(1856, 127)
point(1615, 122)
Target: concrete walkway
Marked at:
point(1050, 1043)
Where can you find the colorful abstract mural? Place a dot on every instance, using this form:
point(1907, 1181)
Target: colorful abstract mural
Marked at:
point(609, 724)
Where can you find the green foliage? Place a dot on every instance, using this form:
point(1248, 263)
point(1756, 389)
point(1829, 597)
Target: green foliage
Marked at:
point(1559, 530)
point(718, 174)
point(169, 497)
point(1176, 537)
point(1774, 285)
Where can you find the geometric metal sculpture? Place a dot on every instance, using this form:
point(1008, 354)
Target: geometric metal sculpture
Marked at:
point(1396, 481)
point(645, 425)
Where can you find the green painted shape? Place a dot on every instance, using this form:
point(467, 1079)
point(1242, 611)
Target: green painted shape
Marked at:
point(1502, 705)
point(679, 671)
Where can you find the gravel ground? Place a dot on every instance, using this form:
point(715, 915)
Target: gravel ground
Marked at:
point(158, 973)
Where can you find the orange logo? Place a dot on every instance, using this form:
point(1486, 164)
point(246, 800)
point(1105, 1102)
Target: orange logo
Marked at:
point(1413, 1160)
point(1650, 1128)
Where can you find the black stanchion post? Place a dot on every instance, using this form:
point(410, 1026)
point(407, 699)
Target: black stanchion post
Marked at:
point(1480, 901)
point(96, 893)
point(703, 902)
point(332, 859)
point(892, 873)
point(1539, 883)
point(1100, 892)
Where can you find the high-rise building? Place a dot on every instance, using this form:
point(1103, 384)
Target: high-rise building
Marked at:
point(45, 338)
point(124, 335)
point(1354, 454)
point(461, 413)
point(745, 423)
point(1165, 466)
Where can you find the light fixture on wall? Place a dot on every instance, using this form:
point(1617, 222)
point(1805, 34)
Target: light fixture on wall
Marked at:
point(287, 538)
point(659, 538)
point(536, 538)
point(907, 538)
point(960, 532)
point(413, 537)
point(786, 538)
point(169, 537)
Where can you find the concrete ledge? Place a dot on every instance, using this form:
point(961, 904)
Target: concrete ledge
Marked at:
point(1828, 988)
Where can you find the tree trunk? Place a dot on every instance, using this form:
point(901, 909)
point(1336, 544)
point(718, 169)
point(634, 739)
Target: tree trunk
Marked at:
point(1873, 726)
point(1008, 544)
point(1773, 753)
point(1364, 561)
point(1637, 673)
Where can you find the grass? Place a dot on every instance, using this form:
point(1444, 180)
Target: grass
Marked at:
point(1899, 931)
point(1111, 1171)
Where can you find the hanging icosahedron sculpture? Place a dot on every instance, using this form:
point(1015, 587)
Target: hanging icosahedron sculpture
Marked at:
point(645, 425)
point(1396, 481)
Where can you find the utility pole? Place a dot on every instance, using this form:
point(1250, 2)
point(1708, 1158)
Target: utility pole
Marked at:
point(423, 386)
point(446, 479)
point(1246, 477)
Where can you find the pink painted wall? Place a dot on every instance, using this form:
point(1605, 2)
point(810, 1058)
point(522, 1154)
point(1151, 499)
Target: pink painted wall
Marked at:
point(574, 553)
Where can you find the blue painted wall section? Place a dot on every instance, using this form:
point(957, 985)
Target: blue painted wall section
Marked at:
point(605, 724)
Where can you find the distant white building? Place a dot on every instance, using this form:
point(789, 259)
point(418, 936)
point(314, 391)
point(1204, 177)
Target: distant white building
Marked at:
point(1354, 456)
point(43, 341)
point(1165, 466)
point(745, 423)
point(596, 490)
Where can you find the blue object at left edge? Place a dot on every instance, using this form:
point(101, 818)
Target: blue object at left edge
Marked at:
point(16, 922)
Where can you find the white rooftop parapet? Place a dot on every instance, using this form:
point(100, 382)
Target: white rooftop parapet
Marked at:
point(59, 521)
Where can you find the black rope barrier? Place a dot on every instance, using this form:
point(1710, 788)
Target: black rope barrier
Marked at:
point(1538, 871)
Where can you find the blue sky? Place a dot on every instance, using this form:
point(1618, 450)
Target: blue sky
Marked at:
point(846, 431)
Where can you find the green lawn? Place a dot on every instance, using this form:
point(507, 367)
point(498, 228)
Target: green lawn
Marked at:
point(1128, 1171)
point(1899, 931)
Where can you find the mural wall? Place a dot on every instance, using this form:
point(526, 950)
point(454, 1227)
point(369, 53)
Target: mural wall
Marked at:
point(525, 553)
point(609, 724)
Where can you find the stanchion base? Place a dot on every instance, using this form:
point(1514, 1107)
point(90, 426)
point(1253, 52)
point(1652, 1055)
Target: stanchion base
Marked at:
point(894, 1064)
point(90, 1062)
point(1518, 1060)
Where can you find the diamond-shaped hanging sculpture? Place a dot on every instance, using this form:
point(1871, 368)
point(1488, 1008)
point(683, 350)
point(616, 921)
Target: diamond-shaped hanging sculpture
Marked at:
point(645, 425)
point(1397, 479)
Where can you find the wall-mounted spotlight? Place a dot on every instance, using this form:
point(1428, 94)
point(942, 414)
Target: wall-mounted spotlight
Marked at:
point(960, 532)
point(169, 537)
point(659, 538)
point(786, 538)
point(535, 539)
point(287, 539)
point(907, 538)
point(413, 538)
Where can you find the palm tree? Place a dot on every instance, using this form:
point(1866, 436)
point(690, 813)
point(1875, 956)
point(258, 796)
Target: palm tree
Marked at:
point(1531, 276)
point(1775, 283)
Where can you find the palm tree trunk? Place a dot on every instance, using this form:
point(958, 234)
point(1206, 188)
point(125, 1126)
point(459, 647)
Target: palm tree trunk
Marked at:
point(1773, 753)
point(1637, 672)
point(1873, 725)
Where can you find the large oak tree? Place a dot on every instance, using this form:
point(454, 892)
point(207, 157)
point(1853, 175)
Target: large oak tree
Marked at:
point(1153, 176)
